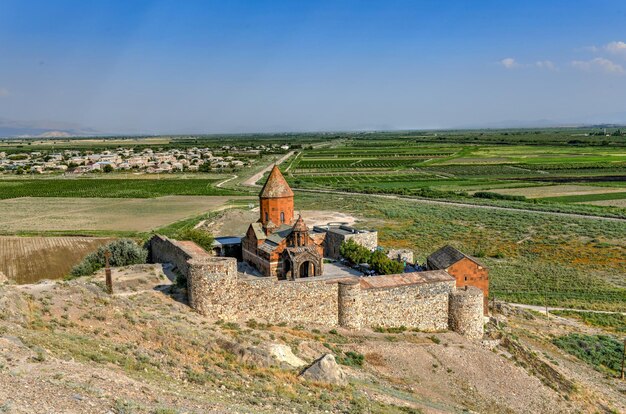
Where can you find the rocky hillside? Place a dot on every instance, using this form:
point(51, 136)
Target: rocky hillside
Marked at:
point(69, 347)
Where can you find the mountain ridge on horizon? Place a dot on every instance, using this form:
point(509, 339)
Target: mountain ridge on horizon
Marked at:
point(10, 129)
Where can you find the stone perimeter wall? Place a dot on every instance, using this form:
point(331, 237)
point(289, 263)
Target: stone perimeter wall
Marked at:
point(165, 250)
point(424, 307)
point(215, 290)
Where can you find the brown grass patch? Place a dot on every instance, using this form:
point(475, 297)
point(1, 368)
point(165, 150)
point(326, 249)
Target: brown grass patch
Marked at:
point(375, 358)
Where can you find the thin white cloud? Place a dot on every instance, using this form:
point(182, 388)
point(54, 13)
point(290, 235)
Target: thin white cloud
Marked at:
point(4, 92)
point(616, 48)
point(599, 64)
point(509, 63)
point(546, 64)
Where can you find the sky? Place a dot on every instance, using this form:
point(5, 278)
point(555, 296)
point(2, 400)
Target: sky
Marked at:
point(264, 66)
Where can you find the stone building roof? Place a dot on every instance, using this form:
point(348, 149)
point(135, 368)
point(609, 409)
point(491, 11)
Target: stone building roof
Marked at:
point(405, 279)
point(276, 186)
point(258, 231)
point(446, 257)
point(272, 240)
point(300, 225)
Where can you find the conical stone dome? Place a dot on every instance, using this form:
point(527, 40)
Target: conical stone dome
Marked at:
point(276, 186)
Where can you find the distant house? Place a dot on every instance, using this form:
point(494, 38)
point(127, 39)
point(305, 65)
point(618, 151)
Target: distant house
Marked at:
point(465, 269)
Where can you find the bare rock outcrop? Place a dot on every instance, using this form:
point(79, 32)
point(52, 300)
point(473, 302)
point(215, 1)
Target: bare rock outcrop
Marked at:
point(13, 306)
point(284, 354)
point(266, 355)
point(325, 369)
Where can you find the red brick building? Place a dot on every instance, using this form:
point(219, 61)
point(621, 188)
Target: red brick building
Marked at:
point(279, 245)
point(465, 269)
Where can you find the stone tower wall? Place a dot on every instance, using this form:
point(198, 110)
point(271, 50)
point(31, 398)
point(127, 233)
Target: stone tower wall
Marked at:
point(350, 304)
point(165, 250)
point(212, 286)
point(465, 312)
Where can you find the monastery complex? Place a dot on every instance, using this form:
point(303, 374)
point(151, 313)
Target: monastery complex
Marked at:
point(291, 286)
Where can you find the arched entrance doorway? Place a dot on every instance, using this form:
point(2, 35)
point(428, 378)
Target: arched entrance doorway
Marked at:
point(287, 274)
point(307, 269)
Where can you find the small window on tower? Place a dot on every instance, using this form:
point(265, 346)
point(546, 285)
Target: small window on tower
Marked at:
point(267, 216)
point(282, 217)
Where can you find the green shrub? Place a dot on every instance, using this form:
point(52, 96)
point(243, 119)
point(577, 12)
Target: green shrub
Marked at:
point(379, 261)
point(201, 238)
point(180, 281)
point(351, 359)
point(124, 252)
point(384, 265)
point(498, 196)
point(394, 329)
point(435, 339)
point(602, 351)
point(614, 321)
point(354, 252)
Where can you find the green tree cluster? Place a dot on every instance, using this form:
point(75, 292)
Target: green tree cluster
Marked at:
point(378, 260)
point(124, 252)
point(202, 238)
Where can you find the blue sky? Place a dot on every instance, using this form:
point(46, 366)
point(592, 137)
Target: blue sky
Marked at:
point(245, 66)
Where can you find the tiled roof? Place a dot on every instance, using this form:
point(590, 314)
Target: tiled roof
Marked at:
point(258, 231)
point(302, 249)
point(273, 240)
point(276, 186)
point(446, 257)
point(300, 225)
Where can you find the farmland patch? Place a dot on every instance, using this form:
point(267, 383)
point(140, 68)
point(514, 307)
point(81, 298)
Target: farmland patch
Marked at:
point(559, 191)
point(29, 259)
point(612, 203)
point(101, 214)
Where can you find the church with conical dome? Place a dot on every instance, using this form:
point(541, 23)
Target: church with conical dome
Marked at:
point(279, 244)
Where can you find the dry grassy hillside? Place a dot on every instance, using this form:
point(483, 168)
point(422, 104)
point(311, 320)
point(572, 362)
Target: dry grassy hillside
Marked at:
point(69, 347)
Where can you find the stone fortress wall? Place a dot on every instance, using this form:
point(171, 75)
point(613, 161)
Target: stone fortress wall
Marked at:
point(427, 301)
point(462, 310)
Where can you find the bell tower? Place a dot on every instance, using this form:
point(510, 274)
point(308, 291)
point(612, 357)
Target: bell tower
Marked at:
point(300, 235)
point(276, 200)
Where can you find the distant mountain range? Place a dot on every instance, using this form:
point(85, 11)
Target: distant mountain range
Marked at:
point(50, 129)
point(42, 129)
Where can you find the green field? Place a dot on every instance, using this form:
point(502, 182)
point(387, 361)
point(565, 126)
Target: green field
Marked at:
point(609, 321)
point(457, 167)
point(108, 188)
point(532, 257)
point(588, 197)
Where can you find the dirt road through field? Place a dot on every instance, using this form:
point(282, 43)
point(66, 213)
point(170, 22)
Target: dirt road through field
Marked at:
point(221, 183)
point(252, 181)
point(542, 309)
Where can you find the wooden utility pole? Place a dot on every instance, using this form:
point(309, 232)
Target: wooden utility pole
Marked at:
point(107, 272)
